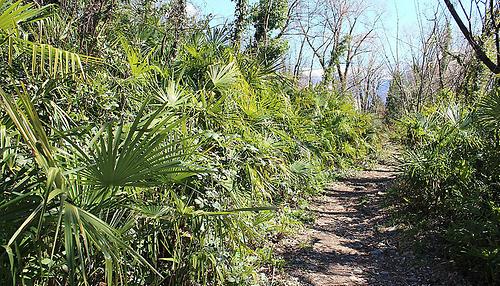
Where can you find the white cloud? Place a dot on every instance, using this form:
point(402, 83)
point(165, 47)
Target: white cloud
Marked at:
point(191, 10)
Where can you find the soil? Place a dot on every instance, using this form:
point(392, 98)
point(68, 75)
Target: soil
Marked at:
point(352, 241)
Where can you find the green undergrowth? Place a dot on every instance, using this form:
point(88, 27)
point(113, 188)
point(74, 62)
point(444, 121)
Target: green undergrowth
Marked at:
point(137, 169)
point(448, 190)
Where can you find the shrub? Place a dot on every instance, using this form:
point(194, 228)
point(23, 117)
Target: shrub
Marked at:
point(450, 179)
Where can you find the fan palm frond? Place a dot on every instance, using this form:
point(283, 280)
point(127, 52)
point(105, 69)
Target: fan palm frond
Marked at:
point(14, 13)
point(29, 126)
point(82, 229)
point(488, 111)
point(146, 153)
point(139, 64)
point(224, 76)
point(45, 57)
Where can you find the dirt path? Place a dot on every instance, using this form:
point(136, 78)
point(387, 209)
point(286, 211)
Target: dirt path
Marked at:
point(350, 243)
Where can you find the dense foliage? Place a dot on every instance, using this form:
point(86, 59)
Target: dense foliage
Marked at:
point(450, 182)
point(141, 145)
point(158, 160)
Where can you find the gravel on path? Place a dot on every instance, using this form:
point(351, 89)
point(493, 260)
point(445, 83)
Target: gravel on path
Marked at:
point(352, 243)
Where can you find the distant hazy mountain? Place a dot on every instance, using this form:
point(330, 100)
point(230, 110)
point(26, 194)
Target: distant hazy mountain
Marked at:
point(383, 89)
point(317, 75)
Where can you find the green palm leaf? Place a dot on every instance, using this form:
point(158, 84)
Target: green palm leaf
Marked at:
point(82, 229)
point(224, 76)
point(488, 111)
point(14, 13)
point(146, 153)
point(45, 58)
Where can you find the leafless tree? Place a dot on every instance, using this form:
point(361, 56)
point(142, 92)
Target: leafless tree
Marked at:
point(433, 64)
point(336, 32)
point(367, 75)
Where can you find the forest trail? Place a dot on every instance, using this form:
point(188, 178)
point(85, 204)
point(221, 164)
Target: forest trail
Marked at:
point(350, 242)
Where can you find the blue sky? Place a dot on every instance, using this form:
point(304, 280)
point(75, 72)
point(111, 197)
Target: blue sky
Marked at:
point(221, 8)
point(224, 9)
point(406, 11)
point(393, 11)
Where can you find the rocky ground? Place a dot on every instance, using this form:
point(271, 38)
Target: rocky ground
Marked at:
point(352, 242)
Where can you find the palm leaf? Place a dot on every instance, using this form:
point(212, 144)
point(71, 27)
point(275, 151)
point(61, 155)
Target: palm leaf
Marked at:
point(82, 229)
point(45, 58)
point(146, 153)
point(224, 76)
point(29, 126)
point(49, 59)
point(488, 111)
point(139, 64)
point(14, 13)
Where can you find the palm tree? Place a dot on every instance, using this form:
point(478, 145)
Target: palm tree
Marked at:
point(86, 185)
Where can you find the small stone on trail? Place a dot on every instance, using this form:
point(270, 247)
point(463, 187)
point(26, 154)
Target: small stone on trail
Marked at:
point(377, 252)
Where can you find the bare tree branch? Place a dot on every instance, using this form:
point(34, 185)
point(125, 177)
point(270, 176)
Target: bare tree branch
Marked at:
point(478, 48)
